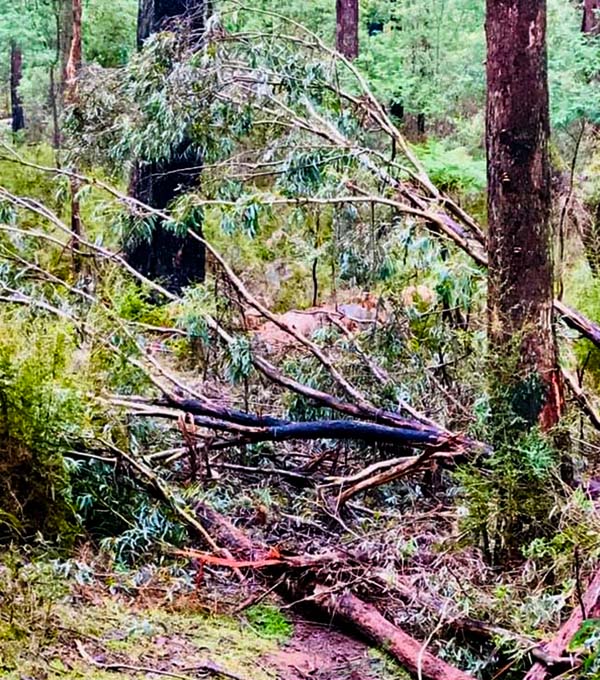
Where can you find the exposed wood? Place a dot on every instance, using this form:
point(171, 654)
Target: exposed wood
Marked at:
point(74, 60)
point(364, 617)
point(385, 477)
point(410, 653)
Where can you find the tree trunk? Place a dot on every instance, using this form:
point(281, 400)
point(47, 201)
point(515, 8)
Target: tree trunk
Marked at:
point(590, 232)
point(176, 260)
point(156, 15)
point(71, 73)
point(347, 28)
point(73, 65)
point(64, 39)
point(522, 343)
point(16, 73)
point(591, 17)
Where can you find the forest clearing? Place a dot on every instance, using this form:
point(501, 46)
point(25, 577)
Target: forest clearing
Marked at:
point(300, 339)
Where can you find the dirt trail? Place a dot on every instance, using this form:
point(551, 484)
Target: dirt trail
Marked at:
point(319, 652)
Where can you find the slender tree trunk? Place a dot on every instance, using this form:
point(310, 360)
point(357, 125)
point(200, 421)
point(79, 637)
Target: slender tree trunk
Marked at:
point(71, 74)
point(64, 39)
point(347, 28)
point(16, 73)
point(176, 260)
point(591, 17)
point(73, 65)
point(522, 343)
point(53, 95)
point(590, 233)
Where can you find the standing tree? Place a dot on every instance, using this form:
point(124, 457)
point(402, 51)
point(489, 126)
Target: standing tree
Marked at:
point(347, 28)
point(16, 73)
point(522, 342)
point(177, 259)
point(71, 73)
point(591, 17)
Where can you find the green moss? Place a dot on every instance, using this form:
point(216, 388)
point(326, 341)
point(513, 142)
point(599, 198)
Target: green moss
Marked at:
point(145, 636)
point(270, 622)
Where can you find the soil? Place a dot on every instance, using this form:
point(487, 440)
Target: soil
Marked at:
point(321, 652)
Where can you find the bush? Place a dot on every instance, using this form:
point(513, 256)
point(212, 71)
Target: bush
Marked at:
point(41, 410)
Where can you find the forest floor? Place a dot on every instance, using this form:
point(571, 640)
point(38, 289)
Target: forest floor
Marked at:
point(90, 633)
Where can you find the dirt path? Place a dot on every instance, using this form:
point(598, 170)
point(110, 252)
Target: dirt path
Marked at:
point(319, 652)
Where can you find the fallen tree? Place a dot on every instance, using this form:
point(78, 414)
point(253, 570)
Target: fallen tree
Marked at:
point(336, 602)
point(588, 607)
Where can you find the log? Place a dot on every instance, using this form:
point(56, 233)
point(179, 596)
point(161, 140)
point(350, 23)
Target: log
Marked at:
point(405, 432)
point(559, 644)
point(410, 653)
point(362, 616)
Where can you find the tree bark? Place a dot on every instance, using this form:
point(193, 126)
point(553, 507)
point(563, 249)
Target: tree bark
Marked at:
point(73, 65)
point(591, 17)
point(347, 12)
point(177, 260)
point(16, 73)
point(71, 74)
point(591, 232)
point(522, 343)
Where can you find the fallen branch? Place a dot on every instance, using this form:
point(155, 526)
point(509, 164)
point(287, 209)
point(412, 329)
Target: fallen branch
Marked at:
point(558, 646)
point(409, 652)
point(582, 398)
point(405, 432)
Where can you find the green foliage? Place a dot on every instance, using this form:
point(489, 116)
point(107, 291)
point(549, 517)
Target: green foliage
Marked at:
point(41, 414)
point(29, 595)
point(587, 642)
point(270, 622)
point(510, 496)
point(109, 31)
point(453, 169)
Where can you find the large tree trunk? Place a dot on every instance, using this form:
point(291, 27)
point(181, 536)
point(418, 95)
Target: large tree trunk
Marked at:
point(522, 341)
point(591, 17)
point(176, 260)
point(347, 28)
point(16, 73)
